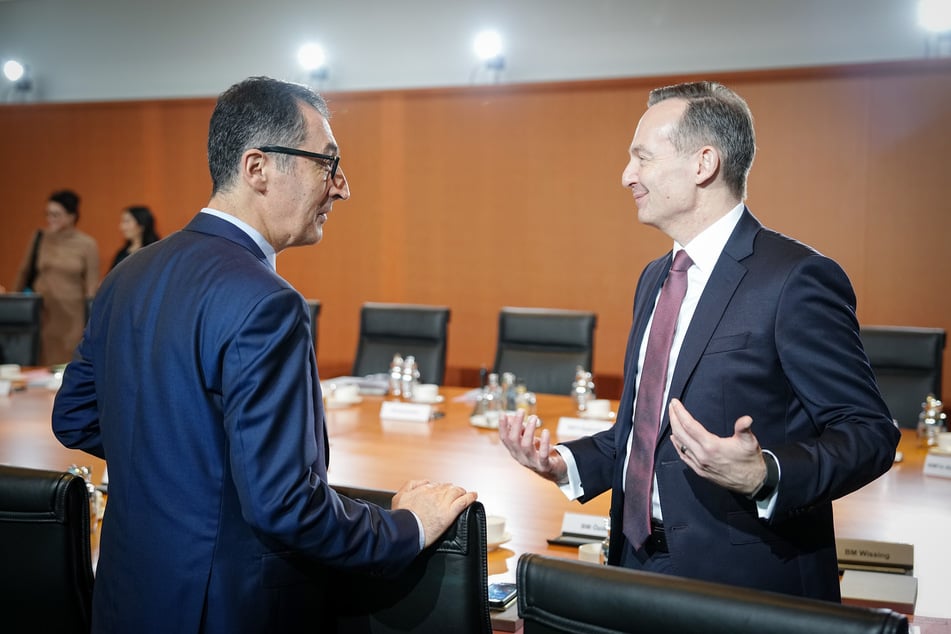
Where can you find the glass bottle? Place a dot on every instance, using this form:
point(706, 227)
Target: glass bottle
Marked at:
point(931, 421)
point(606, 542)
point(508, 391)
point(493, 400)
point(410, 377)
point(396, 374)
point(579, 388)
point(524, 400)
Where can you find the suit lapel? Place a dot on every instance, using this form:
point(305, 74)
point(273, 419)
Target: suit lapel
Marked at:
point(720, 288)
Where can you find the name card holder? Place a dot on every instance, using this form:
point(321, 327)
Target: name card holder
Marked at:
point(938, 463)
point(411, 412)
point(570, 427)
point(579, 528)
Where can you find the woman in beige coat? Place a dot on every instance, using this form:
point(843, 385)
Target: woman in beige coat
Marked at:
point(66, 275)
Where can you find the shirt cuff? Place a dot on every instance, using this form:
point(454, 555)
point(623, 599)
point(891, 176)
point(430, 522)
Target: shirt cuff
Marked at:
point(765, 508)
point(422, 533)
point(572, 489)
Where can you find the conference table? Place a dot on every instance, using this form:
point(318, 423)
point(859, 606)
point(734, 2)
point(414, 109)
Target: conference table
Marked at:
point(367, 451)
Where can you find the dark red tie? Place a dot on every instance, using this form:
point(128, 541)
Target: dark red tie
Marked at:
point(650, 401)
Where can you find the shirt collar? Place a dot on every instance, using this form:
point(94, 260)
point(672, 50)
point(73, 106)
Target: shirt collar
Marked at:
point(706, 247)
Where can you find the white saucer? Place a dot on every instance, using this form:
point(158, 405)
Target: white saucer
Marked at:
point(506, 537)
point(335, 403)
point(938, 450)
point(429, 401)
point(592, 416)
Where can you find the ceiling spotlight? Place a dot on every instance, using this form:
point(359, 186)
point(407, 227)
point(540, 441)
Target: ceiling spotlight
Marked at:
point(312, 59)
point(488, 46)
point(19, 75)
point(934, 15)
point(13, 70)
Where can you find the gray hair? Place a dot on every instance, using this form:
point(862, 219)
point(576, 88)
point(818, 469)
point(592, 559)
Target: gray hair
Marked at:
point(257, 111)
point(717, 116)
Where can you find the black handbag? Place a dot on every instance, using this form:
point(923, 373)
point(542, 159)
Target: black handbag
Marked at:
point(32, 272)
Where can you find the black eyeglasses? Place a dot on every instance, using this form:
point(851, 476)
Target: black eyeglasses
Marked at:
point(279, 149)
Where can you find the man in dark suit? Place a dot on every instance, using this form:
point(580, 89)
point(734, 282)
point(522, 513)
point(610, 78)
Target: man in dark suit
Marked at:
point(196, 380)
point(767, 409)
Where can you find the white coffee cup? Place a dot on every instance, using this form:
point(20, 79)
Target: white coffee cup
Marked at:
point(494, 528)
point(345, 393)
point(590, 552)
point(944, 441)
point(9, 371)
point(5, 387)
point(425, 392)
point(598, 408)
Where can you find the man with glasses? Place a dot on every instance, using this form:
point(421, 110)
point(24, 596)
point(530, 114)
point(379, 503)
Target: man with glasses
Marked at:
point(196, 380)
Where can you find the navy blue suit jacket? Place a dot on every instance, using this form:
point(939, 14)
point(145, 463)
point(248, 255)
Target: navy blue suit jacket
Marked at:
point(774, 336)
point(196, 380)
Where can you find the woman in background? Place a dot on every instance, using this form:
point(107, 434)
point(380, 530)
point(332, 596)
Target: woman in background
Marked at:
point(62, 265)
point(138, 228)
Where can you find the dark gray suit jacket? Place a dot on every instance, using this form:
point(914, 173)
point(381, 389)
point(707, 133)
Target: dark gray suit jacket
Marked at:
point(774, 336)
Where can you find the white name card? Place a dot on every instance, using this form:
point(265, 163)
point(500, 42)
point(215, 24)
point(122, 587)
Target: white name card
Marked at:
point(415, 412)
point(569, 427)
point(876, 556)
point(938, 464)
point(580, 524)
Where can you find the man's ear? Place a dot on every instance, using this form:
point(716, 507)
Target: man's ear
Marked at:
point(254, 169)
point(708, 164)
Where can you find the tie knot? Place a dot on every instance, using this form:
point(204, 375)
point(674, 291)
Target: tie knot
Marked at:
point(682, 261)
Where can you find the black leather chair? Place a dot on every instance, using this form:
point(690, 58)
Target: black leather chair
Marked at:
point(562, 595)
point(20, 328)
point(908, 365)
point(543, 346)
point(46, 573)
point(444, 590)
point(314, 306)
point(407, 329)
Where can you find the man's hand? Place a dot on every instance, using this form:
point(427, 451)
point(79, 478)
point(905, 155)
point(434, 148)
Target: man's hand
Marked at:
point(735, 463)
point(436, 505)
point(518, 436)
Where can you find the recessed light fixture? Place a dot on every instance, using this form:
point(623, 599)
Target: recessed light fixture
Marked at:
point(313, 60)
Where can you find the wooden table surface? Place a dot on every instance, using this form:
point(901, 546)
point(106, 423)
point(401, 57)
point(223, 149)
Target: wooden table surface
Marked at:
point(902, 506)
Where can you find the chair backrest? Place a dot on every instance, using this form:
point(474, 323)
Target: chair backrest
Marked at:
point(561, 595)
point(46, 581)
point(908, 364)
point(20, 328)
point(407, 329)
point(314, 306)
point(543, 346)
point(445, 589)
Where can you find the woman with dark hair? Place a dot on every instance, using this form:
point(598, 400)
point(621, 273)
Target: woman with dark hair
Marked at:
point(62, 265)
point(138, 228)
